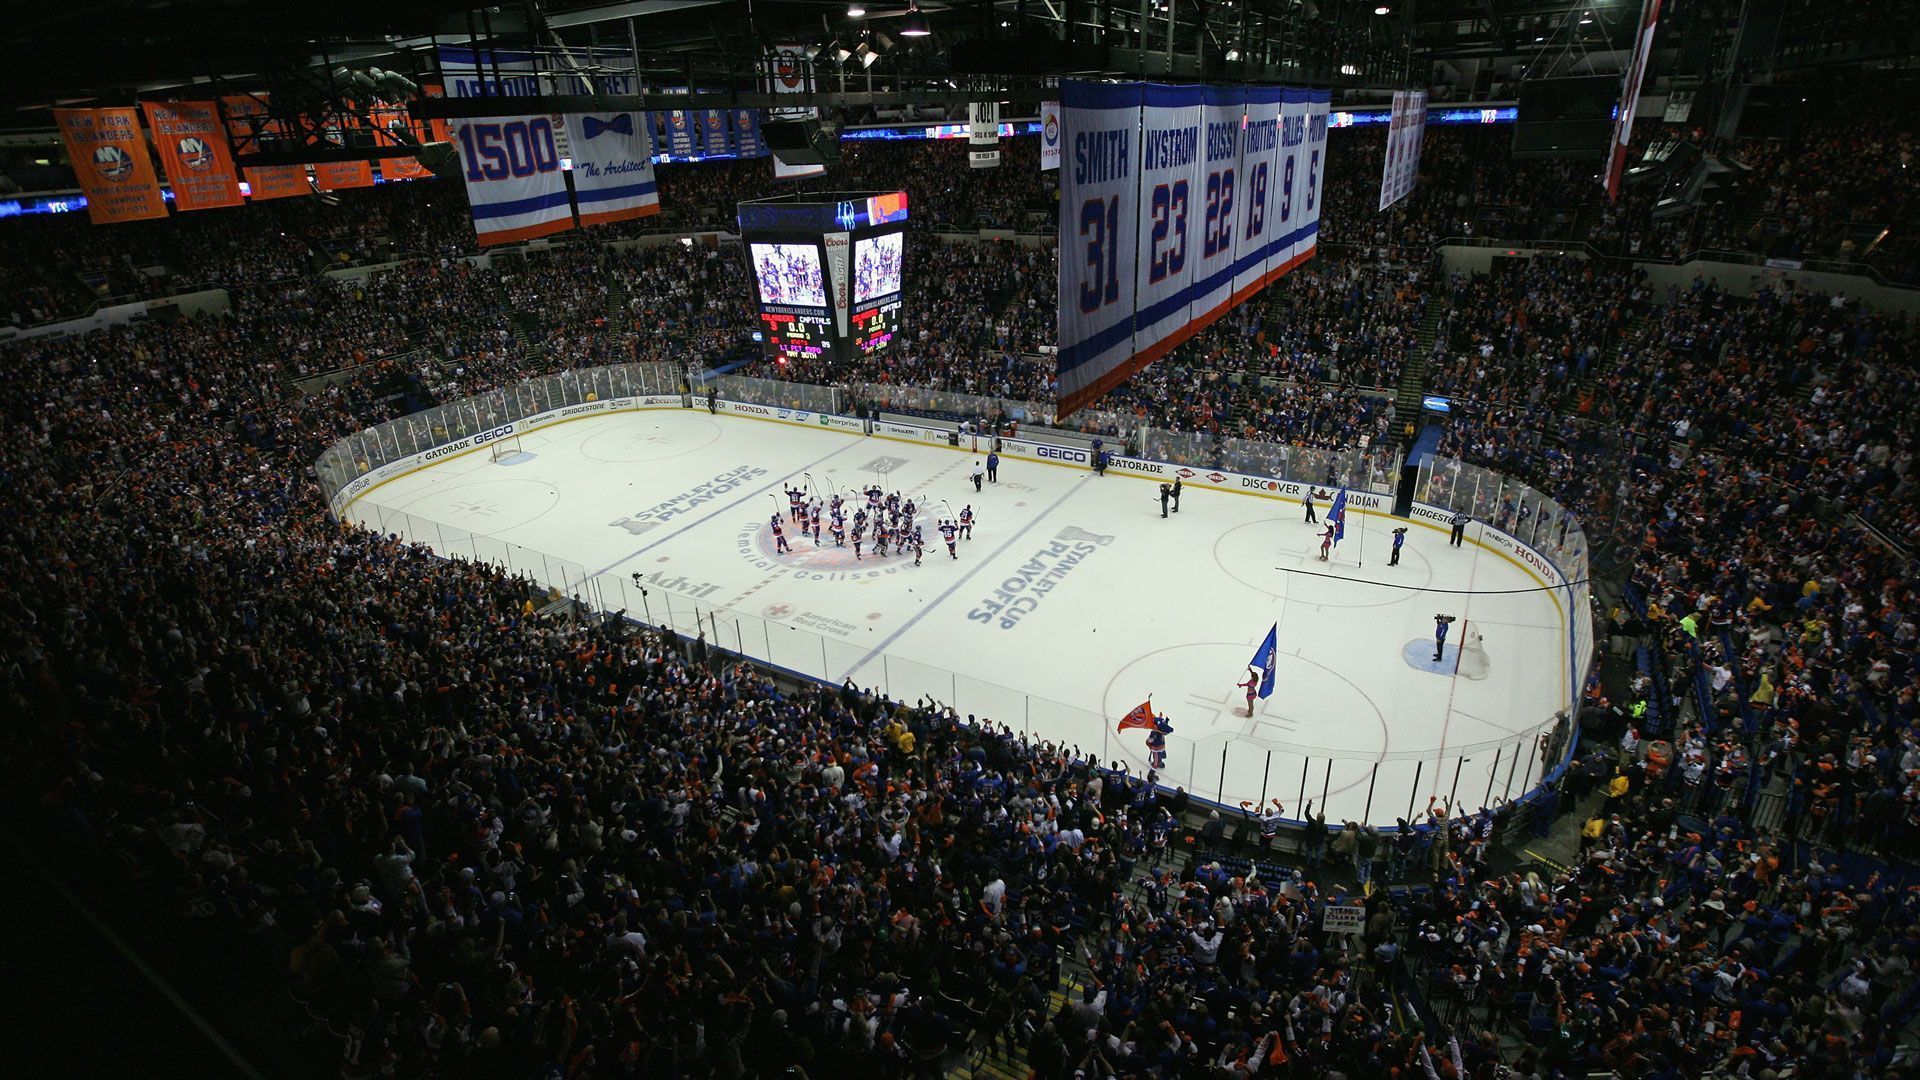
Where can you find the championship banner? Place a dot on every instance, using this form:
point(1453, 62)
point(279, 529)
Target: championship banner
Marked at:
point(747, 142)
point(247, 120)
point(983, 135)
point(713, 132)
point(193, 150)
point(109, 156)
point(341, 175)
point(389, 123)
point(1406, 129)
point(1049, 135)
point(679, 128)
point(613, 176)
point(512, 168)
point(1263, 190)
point(1222, 182)
point(1630, 96)
point(1099, 204)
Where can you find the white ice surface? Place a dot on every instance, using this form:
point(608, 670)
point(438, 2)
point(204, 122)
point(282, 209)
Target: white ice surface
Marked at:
point(1132, 606)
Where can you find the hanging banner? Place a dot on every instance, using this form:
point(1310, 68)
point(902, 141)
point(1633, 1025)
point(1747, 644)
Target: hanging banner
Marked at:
point(1099, 203)
point(1221, 182)
point(1049, 135)
point(511, 165)
point(983, 135)
point(393, 125)
point(1170, 215)
point(1406, 130)
point(341, 175)
point(1265, 190)
point(193, 151)
point(1306, 240)
point(680, 133)
point(247, 123)
point(109, 157)
point(789, 72)
point(613, 177)
point(713, 132)
point(1630, 96)
point(837, 245)
point(747, 142)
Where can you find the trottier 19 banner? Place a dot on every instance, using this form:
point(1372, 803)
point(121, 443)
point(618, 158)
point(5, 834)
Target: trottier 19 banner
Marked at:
point(1176, 204)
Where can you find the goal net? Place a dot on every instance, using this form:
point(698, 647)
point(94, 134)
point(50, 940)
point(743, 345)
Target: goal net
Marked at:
point(1472, 662)
point(505, 447)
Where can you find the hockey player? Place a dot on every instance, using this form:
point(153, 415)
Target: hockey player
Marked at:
point(966, 521)
point(880, 536)
point(813, 520)
point(919, 549)
point(873, 497)
point(859, 535)
point(779, 537)
point(838, 530)
point(950, 532)
point(795, 498)
point(909, 508)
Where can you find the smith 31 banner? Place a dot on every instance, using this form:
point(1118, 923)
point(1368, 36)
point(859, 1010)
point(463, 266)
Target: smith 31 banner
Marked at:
point(612, 167)
point(1177, 202)
point(109, 155)
point(1406, 129)
point(512, 168)
point(193, 148)
point(1630, 96)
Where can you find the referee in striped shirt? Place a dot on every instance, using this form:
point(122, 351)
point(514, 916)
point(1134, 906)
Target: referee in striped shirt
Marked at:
point(1460, 519)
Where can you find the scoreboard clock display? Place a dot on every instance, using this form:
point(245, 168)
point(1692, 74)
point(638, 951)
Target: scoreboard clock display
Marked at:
point(797, 337)
point(874, 328)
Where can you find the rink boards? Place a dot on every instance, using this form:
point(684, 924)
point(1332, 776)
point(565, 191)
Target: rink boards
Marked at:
point(1343, 675)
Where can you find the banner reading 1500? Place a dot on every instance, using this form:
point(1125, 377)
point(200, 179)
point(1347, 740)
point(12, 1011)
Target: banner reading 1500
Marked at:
point(1176, 203)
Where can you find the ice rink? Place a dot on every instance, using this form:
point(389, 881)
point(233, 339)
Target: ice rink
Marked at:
point(1073, 602)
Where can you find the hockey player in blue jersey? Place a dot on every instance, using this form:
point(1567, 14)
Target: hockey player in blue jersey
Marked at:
point(779, 536)
point(966, 521)
point(950, 532)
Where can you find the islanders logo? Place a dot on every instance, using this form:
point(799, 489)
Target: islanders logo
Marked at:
point(195, 154)
point(1050, 131)
point(112, 163)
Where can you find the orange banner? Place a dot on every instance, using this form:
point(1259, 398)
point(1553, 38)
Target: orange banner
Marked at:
point(246, 122)
point(336, 175)
point(387, 120)
point(193, 148)
point(109, 155)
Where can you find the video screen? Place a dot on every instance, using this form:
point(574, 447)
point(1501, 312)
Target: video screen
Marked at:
point(876, 266)
point(789, 275)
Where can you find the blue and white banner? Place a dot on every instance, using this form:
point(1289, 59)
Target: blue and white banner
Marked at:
point(1265, 660)
point(1261, 193)
point(1295, 187)
point(713, 133)
point(1099, 214)
point(512, 168)
point(612, 167)
point(678, 127)
point(747, 142)
point(1308, 240)
point(1170, 215)
point(1222, 183)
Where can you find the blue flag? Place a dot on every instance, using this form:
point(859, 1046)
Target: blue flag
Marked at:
point(1338, 515)
point(1266, 659)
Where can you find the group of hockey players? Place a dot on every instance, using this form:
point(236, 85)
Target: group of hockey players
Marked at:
point(887, 523)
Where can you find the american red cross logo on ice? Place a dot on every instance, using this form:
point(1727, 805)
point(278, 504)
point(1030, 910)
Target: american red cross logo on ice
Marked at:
point(777, 611)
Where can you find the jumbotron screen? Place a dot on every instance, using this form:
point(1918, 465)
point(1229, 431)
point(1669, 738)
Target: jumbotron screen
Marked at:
point(789, 275)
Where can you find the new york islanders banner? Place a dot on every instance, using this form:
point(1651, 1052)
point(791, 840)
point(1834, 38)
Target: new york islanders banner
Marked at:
point(512, 168)
point(612, 167)
point(1099, 224)
point(713, 132)
point(109, 156)
point(193, 149)
point(1049, 135)
point(747, 142)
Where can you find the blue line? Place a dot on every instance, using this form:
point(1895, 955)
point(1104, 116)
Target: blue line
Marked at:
point(718, 510)
point(955, 587)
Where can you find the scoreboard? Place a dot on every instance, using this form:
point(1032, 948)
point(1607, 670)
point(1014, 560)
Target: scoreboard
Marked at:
point(827, 272)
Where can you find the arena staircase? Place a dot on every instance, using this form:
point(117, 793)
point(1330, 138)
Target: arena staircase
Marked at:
point(527, 337)
point(1413, 376)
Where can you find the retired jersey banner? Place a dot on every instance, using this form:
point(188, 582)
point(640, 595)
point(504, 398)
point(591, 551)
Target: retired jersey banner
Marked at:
point(612, 167)
point(1630, 97)
point(1049, 135)
point(193, 150)
point(983, 135)
point(1263, 190)
point(1222, 181)
point(1177, 202)
point(1406, 128)
point(109, 156)
point(1171, 208)
point(247, 121)
point(1099, 225)
point(512, 168)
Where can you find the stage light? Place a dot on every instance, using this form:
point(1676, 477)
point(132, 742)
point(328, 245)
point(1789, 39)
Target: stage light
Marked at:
point(856, 11)
point(1383, 10)
point(913, 24)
